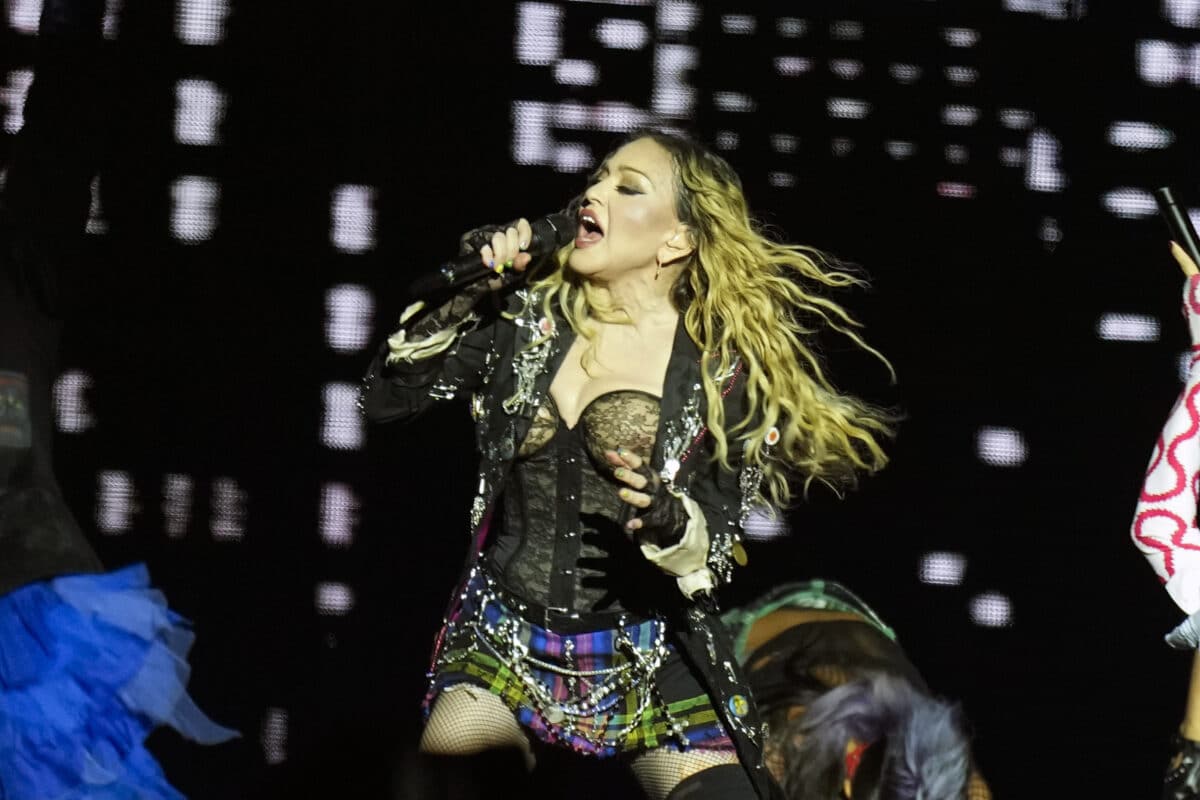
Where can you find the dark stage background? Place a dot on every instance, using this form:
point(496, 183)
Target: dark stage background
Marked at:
point(275, 174)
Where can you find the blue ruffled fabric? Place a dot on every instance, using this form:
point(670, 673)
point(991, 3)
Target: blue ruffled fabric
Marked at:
point(89, 666)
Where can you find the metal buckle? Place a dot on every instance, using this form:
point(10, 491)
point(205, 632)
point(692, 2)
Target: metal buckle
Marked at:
point(552, 610)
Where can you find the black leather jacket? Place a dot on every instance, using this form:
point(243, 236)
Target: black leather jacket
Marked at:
point(505, 366)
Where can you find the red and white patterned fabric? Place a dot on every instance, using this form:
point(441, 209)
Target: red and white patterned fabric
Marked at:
point(1164, 525)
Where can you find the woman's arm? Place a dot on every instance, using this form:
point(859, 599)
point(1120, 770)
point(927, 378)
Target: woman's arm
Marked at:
point(1164, 524)
point(428, 359)
point(1164, 529)
point(444, 352)
point(691, 529)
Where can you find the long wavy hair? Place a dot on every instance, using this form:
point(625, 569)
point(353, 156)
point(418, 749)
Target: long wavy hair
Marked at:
point(745, 296)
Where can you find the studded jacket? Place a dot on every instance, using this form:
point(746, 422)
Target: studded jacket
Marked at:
point(503, 355)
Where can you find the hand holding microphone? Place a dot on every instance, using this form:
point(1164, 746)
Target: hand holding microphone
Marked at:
point(503, 250)
point(493, 252)
point(1185, 246)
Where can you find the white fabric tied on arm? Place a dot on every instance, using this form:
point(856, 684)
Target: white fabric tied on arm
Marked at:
point(1186, 635)
point(687, 559)
point(1164, 523)
point(400, 349)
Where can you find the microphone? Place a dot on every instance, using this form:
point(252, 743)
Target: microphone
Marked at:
point(549, 233)
point(1178, 222)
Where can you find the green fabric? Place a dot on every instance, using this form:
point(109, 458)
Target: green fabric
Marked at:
point(814, 595)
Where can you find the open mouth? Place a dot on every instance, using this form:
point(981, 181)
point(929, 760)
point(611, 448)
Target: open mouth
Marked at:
point(590, 231)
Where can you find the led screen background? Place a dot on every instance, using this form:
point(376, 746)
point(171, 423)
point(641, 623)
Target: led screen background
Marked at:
point(275, 174)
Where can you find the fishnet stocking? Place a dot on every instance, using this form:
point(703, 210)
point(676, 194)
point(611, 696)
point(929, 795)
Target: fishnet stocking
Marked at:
point(467, 720)
point(660, 770)
point(977, 788)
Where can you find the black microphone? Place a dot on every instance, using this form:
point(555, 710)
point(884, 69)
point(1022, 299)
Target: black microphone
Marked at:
point(549, 233)
point(1178, 222)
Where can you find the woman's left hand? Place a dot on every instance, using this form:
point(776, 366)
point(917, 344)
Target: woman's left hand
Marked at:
point(656, 516)
point(628, 469)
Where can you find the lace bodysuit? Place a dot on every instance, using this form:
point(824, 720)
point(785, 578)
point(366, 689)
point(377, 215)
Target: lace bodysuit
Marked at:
point(562, 544)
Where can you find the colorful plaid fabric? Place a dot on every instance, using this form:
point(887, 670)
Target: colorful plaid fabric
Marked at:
point(615, 725)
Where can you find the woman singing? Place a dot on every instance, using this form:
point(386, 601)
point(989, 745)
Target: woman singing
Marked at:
point(647, 389)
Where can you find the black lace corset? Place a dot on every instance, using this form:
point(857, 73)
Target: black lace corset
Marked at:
point(562, 544)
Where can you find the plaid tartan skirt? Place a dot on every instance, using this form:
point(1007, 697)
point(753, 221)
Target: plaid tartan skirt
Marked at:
point(606, 692)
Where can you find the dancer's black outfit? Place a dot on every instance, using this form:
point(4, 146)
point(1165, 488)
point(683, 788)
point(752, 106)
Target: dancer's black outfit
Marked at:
point(90, 662)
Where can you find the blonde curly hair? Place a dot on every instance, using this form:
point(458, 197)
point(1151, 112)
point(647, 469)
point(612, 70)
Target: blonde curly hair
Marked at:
point(745, 296)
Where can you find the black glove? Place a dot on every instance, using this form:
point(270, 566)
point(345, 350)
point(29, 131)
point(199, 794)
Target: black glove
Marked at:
point(473, 241)
point(664, 520)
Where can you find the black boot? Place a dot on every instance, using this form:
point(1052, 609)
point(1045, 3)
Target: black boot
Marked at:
point(723, 782)
point(490, 774)
point(1182, 781)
